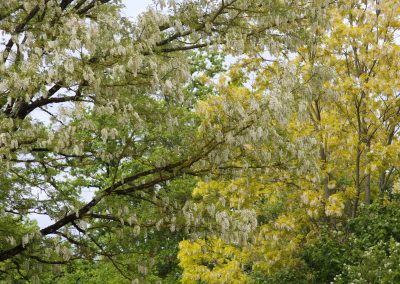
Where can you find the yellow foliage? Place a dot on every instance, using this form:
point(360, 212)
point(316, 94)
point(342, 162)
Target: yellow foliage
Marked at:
point(350, 78)
point(211, 261)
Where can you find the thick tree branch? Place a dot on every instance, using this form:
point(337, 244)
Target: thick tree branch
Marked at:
point(170, 171)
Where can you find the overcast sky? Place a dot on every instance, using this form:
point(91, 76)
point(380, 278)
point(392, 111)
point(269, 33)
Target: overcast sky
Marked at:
point(135, 7)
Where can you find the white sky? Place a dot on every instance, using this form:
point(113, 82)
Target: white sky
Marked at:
point(135, 7)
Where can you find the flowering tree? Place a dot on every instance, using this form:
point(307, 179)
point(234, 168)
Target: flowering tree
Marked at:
point(122, 119)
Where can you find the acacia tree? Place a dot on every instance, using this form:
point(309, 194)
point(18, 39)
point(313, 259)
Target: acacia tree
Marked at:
point(340, 90)
point(121, 120)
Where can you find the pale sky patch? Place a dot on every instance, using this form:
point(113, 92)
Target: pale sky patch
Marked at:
point(134, 7)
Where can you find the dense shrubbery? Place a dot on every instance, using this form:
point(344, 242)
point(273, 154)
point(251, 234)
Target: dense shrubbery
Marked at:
point(363, 250)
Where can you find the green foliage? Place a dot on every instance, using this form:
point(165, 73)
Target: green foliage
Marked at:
point(364, 251)
point(327, 257)
point(291, 276)
point(87, 272)
point(155, 161)
point(377, 264)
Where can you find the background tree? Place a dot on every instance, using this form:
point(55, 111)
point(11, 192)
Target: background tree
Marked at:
point(335, 105)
